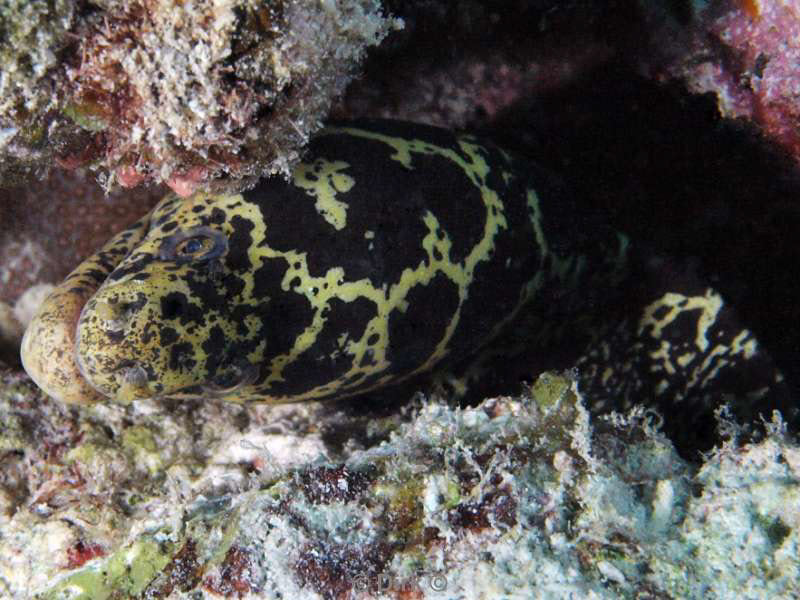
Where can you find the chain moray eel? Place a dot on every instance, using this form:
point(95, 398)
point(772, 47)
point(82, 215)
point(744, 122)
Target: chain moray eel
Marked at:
point(394, 249)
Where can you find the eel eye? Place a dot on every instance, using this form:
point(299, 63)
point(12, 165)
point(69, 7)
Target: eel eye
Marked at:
point(198, 244)
point(193, 246)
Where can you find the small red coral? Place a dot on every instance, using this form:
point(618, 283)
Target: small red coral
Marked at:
point(129, 177)
point(185, 184)
point(81, 552)
point(234, 575)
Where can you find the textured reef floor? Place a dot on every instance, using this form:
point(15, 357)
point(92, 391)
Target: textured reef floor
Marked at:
point(514, 498)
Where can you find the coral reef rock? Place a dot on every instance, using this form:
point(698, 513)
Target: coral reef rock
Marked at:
point(745, 53)
point(514, 498)
point(175, 92)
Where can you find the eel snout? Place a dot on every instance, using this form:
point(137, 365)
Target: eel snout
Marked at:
point(48, 346)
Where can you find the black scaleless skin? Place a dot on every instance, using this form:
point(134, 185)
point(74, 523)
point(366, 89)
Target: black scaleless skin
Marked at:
point(393, 251)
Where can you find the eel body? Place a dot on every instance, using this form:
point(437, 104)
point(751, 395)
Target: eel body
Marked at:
point(393, 250)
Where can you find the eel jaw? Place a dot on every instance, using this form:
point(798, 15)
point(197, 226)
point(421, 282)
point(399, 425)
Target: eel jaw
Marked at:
point(48, 348)
point(132, 383)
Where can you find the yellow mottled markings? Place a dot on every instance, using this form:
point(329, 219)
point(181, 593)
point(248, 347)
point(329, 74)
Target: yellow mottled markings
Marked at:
point(568, 269)
point(661, 358)
point(319, 291)
point(323, 180)
point(390, 296)
point(169, 202)
point(535, 211)
point(710, 304)
point(744, 344)
point(712, 363)
point(474, 166)
point(714, 358)
point(684, 359)
point(93, 337)
point(538, 280)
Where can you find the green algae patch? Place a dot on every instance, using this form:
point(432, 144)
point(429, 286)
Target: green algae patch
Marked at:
point(94, 453)
point(405, 510)
point(140, 442)
point(127, 572)
point(217, 524)
point(87, 115)
point(12, 436)
point(549, 389)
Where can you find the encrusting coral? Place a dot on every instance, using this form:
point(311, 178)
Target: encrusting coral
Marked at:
point(514, 498)
point(745, 53)
point(176, 92)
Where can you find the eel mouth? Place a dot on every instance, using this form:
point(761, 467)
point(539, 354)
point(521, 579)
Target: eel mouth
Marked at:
point(131, 378)
point(48, 347)
point(134, 383)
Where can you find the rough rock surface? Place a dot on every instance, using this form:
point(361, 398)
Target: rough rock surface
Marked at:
point(514, 498)
point(182, 93)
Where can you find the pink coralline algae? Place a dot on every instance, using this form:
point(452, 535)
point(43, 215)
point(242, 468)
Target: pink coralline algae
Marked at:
point(747, 53)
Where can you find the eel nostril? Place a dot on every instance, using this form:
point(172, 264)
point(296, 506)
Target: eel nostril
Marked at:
point(107, 311)
point(117, 313)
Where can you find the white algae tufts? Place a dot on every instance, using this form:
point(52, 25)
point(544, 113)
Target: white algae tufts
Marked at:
point(515, 498)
